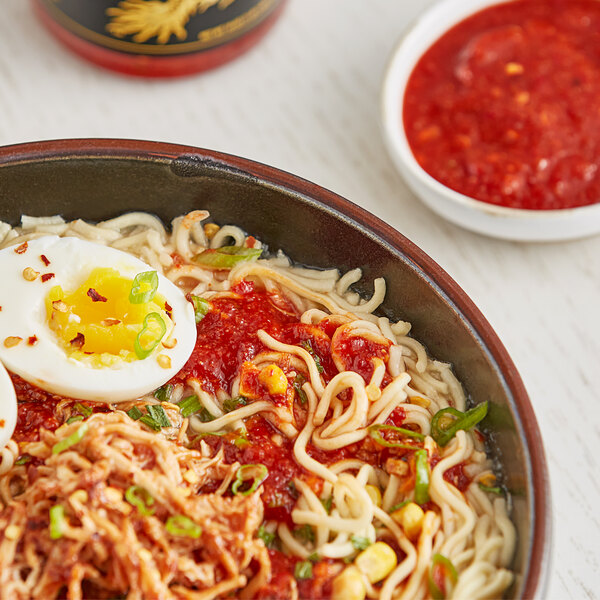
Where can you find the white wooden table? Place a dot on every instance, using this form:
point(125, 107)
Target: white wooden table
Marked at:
point(306, 100)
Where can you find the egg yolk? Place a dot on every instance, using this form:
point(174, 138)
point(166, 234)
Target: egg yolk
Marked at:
point(98, 323)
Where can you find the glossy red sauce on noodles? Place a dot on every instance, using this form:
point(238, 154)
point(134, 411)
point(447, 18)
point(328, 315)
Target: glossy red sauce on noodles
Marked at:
point(505, 107)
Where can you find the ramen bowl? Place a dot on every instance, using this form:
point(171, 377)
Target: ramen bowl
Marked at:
point(99, 179)
point(494, 220)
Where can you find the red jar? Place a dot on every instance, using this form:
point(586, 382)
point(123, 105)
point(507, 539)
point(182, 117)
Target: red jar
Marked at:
point(158, 38)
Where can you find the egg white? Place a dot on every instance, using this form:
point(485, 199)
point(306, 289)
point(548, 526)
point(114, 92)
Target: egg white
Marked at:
point(45, 363)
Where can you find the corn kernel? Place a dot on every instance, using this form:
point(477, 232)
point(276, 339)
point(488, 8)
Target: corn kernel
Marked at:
point(377, 561)
point(410, 518)
point(274, 379)
point(374, 494)
point(349, 585)
point(210, 229)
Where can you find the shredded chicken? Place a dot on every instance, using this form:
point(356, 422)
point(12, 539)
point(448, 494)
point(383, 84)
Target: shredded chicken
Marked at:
point(173, 542)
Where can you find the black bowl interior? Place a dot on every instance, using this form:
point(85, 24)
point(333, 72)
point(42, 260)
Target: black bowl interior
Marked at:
point(96, 183)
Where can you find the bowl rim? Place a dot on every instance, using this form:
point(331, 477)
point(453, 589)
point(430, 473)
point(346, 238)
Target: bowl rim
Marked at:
point(396, 74)
point(537, 568)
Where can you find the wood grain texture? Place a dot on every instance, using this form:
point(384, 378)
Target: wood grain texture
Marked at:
point(306, 100)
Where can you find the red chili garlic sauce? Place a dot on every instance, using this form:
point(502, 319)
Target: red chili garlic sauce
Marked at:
point(227, 339)
point(505, 106)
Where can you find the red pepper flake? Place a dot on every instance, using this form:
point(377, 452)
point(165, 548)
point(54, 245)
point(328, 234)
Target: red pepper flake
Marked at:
point(109, 322)
point(250, 242)
point(78, 341)
point(95, 296)
point(46, 276)
point(169, 310)
point(2, 423)
point(22, 248)
point(44, 259)
point(32, 340)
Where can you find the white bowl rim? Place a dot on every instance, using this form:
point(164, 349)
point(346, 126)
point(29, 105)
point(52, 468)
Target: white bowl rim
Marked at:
point(415, 41)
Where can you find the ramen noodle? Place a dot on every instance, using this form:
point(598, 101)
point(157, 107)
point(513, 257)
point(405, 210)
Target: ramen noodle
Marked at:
point(309, 448)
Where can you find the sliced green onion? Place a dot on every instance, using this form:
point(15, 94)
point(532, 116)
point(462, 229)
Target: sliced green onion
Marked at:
point(451, 573)
point(201, 308)
point(158, 414)
point(140, 498)
point(299, 381)
point(304, 533)
point(189, 405)
point(359, 542)
point(205, 416)
point(135, 413)
point(230, 404)
point(143, 350)
point(74, 419)
point(226, 257)
point(71, 440)
point(183, 526)
point(266, 536)
point(327, 503)
point(246, 472)
point(86, 411)
point(143, 287)
point(293, 489)
point(421, 477)
point(241, 441)
point(164, 393)
point(307, 345)
point(57, 521)
point(442, 435)
point(149, 422)
point(314, 557)
point(491, 490)
point(23, 459)
point(375, 431)
point(398, 506)
point(303, 570)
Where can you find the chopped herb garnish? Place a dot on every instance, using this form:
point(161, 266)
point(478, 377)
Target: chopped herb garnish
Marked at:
point(159, 415)
point(360, 543)
point(23, 459)
point(143, 287)
point(140, 498)
point(74, 419)
point(71, 440)
point(491, 490)
point(183, 526)
point(327, 502)
point(307, 345)
point(189, 406)
point(231, 404)
point(299, 381)
point(204, 415)
point(256, 472)
point(305, 533)
point(266, 536)
point(293, 489)
point(303, 570)
point(447, 421)
point(314, 557)
point(150, 335)
point(241, 441)
point(164, 393)
point(149, 422)
point(57, 521)
point(226, 257)
point(398, 506)
point(201, 308)
point(135, 413)
point(84, 410)
point(421, 477)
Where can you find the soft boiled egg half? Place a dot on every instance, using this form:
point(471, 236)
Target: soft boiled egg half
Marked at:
point(90, 322)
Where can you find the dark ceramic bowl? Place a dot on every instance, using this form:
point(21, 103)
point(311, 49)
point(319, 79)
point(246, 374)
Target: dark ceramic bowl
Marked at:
point(99, 179)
